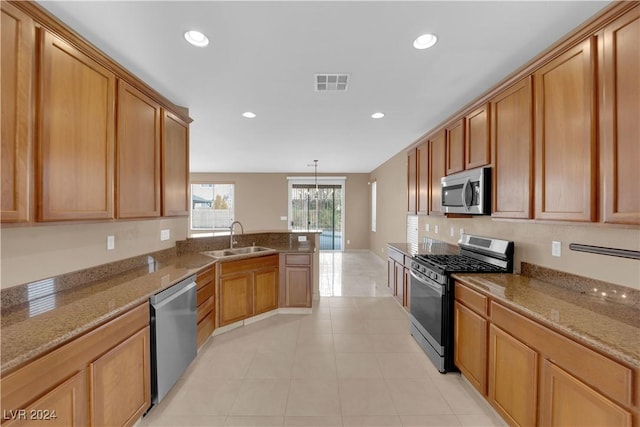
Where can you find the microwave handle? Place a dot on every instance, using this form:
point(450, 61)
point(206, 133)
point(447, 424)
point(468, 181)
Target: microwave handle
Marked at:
point(466, 185)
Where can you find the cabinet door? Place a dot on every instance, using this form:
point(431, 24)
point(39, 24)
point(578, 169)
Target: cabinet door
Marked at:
point(513, 375)
point(121, 382)
point(297, 286)
point(400, 283)
point(470, 346)
point(138, 154)
point(422, 185)
point(76, 134)
point(565, 136)
point(478, 138)
point(512, 139)
point(175, 166)
point(455, 147)
point(566, 401)
point(235, 298)
point(18, 48)
point(64, 406)
point(265, 290)
point(619, 113)
point(412, 181)
point(391, 274)
point(436, 172)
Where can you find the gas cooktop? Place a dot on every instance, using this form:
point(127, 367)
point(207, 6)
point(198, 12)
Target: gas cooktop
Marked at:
point(458, 263)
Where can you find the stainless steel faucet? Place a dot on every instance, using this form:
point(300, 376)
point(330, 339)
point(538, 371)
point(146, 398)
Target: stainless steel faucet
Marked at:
point(231, 241)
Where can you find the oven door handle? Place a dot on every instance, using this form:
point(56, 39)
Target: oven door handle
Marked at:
point(436, 288)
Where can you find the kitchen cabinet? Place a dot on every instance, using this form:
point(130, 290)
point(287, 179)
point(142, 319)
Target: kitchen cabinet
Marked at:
point(568, 401)
point(137, 154)
point(120, 380)
point(436, 171)
point(398, 275)
point(565, 130)
point(18, 47)
point(454, 154)
point(512, 153)
point(470, 336)
point(412, 181)
point(619, 53)
point(205, 303)
point(513, 372)
point(422, 173)
point(296, 281)
point(477, 142)
point(99, 378)
point(175, 165)
point(246, 288)
point(76, 124)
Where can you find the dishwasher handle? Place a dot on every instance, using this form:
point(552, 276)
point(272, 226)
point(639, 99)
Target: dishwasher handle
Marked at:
point(165, 297)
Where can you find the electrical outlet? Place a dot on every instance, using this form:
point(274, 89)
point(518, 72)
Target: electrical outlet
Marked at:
point(283, 218)
point(426, 228)
point(556, 248)
point(452, 232)
point(302, 238)
point(436, 229)
point(111, 243)
point(461, 231)
point(348, 242)
point(165, 234)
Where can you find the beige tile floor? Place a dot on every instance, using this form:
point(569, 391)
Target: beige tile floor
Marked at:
point(350, 363)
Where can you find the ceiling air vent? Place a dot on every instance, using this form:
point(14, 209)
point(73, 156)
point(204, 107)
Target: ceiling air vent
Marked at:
point(332, 82)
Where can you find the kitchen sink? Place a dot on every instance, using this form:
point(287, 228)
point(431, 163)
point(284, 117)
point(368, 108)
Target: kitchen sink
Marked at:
point(222, 253)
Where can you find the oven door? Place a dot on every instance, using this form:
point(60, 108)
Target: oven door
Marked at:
point(428, 306)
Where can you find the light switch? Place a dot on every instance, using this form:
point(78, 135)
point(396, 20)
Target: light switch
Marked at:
point(165, 234)
point(283, 218)
point(302, 238)
point(436, 229)
point(556, 248)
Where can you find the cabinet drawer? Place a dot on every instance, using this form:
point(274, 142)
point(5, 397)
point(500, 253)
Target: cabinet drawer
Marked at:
point(205, 328)
point(611, 378)
point(204, 293)
point(472, 299)
point(297, 259)
point(205, 308)
point(206, 276)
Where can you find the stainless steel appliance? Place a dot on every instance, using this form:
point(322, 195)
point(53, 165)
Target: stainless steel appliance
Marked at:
point(173, 335)
point(432, 291)
point(467, 192)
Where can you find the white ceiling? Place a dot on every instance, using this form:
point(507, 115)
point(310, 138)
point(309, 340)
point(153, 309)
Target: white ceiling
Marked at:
point(263, 56)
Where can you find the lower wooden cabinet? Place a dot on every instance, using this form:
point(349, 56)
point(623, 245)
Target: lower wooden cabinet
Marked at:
point(205, 301)
point(120, 391)
point(101, 378)
point(398, 275)
point(296, 280)
point(567, 401)
point(513, 378)
point(470, 346)
point(246, 288)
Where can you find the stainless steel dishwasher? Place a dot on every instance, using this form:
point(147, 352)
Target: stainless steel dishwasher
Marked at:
point(173, 335)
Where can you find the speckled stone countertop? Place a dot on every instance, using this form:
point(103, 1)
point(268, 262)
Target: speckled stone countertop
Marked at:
point(429, 247)
point(78, 302)
point(589, 318)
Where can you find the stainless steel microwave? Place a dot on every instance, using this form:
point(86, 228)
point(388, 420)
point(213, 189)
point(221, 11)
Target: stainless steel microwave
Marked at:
point(467, 192)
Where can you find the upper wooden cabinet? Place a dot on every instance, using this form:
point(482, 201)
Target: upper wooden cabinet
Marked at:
point(138, 154)
point(76, 134)
point(454, 156)
point(512, 154)
point(477, 144)
point(18, 32)
point(436, 171)
point(422, 174)
point(565, 129)
point(175, 165)
point(619, 124)
point(412, 181)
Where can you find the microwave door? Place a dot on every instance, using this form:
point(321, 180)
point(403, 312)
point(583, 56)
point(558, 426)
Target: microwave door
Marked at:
point(467, 195)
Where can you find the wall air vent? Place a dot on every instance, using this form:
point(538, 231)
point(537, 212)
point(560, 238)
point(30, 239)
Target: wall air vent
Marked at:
point(331, 82)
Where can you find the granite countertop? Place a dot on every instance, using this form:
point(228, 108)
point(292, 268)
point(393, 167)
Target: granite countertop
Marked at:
point(32, 328)
point(613, 328)
point(428, 247)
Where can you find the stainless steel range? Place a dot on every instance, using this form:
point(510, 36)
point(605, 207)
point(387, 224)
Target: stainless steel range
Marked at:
point(432, 291)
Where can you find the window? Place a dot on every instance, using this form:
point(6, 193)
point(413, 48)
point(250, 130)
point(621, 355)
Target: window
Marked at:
point(374, 201)
point(212, 206)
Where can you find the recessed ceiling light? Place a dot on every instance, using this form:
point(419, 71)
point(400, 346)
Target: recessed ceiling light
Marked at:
point(377, 115)
point(249, 115)
point(425, 41)
point(196, 38)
